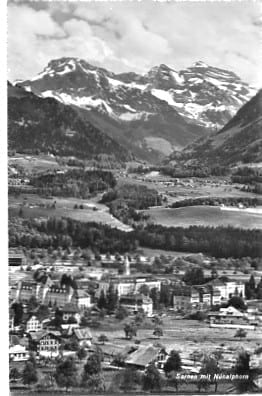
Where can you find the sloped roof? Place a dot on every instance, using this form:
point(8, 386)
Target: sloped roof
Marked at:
point(38, 335)
point(230, 310)
point(14, 340)
point(17, 349)
point(68, 328)
point(83, 334)
point(143, 355)
point(112, 349)
point(39, 316)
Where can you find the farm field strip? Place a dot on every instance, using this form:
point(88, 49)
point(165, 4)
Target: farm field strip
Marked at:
point(205, 216)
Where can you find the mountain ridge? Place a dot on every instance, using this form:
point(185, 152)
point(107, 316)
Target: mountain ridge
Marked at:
point(238, 142)
point(151, 114)
point(46, 125)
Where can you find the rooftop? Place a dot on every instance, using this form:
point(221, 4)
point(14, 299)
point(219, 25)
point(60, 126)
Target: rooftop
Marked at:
point(38, 335)
point(143, 355)
point(83, 334)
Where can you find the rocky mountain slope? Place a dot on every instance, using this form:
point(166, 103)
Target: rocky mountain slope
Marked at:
point(239, 141)
point(151, 114)
point(47, 125)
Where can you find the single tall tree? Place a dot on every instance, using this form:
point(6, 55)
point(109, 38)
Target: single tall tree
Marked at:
point(210, 366)
point(101, 303)
point(152, 379)
point(243, 368)
point(173, 362)
point(158, 332)
point(130, 330)
point(66, 373)
point(92, 367)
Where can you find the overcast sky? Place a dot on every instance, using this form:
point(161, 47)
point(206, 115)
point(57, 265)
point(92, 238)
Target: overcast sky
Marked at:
point(135, 36)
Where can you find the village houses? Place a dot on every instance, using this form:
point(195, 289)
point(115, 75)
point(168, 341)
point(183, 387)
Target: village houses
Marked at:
point(136, 302)
point(45, 343)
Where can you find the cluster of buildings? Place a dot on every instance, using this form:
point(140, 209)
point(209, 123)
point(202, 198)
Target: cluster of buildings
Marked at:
point(50, 293)
point(72, 300)
point(232, 318)
point(212, 293)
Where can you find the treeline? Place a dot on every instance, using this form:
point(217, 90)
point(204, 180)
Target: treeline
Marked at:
point(65, 232)
point(215, 241)
point(247, 175)
point(250, 177)
point(74, 183)
point(216, 201)
point(183, 172)
point(124, 201)
point(194, 171)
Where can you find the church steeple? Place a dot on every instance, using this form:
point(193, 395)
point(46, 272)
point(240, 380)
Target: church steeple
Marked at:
point(126, 266)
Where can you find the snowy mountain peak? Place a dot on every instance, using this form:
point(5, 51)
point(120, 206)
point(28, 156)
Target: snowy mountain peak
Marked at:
point(200, 98)
point(164, 77)
point(200, 64)
point(63, 66)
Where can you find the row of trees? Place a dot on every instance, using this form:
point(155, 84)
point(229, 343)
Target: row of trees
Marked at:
point(183, 172)
point(65, 232)
point(195, 171)
point(247, 175)
point(216, 201)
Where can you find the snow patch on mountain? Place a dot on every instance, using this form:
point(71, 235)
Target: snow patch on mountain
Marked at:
point(203, 95)
point(133, 116)
point(163, 95)
point(179, 79)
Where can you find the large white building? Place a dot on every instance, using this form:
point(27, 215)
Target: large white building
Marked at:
point(18, 353)
point(128, 284)
point(198, 297)
point(228, 288)
point(51, 293)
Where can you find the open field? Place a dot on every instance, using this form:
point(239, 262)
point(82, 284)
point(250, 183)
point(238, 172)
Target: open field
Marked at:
point(205, 216)
point(158, 252)
point(34, 206)
point(35, 164)
point(182, 335)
